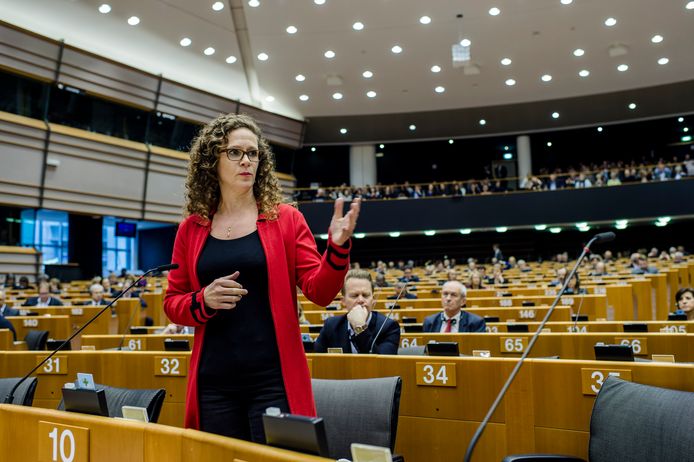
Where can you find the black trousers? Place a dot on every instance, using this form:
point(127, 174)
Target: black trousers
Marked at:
point(236, 409)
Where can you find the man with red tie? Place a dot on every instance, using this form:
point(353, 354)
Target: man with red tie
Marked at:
point(453, 319)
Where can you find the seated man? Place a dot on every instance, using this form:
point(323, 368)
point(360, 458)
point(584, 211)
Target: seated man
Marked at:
point(44, 298)
point(404, 290)
point(408, 276)
point(5, 324)
point(381, 280)
point(357, 331)
point(643, 267)
point(5, 309)
point(97, 293)
point(453, 318)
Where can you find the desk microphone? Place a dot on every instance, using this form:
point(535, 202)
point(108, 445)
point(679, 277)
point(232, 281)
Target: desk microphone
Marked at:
point(10, 396)
point(598, 238)
point(390, 311)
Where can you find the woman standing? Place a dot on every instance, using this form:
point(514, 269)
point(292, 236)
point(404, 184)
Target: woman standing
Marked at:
point(241, 254)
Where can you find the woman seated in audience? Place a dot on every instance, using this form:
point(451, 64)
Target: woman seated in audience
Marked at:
point(574, 286)
point(684, 299)
point(54, 286)
point(475, 281)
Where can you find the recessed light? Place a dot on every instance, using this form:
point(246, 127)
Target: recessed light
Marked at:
point(540, 227)
point(337, 95)
point(632, 106)
point(584, 72)
point(510, 82)
point(483, 122)
point(494, 11)
point(439, 89)
point(330, 54)
point(680, 119)
point(657, 38)
point(566, 2)
point(367, 74)
point(269, 98)
point(358, 25)
point(685, 129)
point(579, 52)
point(430, 232)
point(303, 97)
point(371, 94)
point(623, 68)
point(300, 78)
point(231, 59)
point(396, 49)
point(600, 129)
point(689, 6)
point(133, 20)
point(549, 144)
point(394, 234)
point(218, 6)
point(105, 8)
point(465, 42)
point(381, 146)
point(263, 56)
point(435, 69)
point(501, 229)
point(450, 141)
point(609, 22)
point(343, 131)
point(465, 231)
point(663, 61)
point(425, 20)
point(506, 148)
point(313, 149)
point(253, 3)
point(319, 2)
point(292, 30)
point(546, 78)
point(209, 51)
point(555, 115)
point(412, 127)
point(185, 42)
point(506, 62)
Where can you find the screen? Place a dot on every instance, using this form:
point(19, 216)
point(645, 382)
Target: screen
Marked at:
point(125, 229)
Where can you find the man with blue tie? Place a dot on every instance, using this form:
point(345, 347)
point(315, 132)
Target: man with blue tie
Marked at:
point(453, 319)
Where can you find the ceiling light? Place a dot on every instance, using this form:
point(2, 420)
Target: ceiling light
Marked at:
point(185, 42)
point(343, 131)
point(609, 22)
point(664, 219)
point(632, 106)
point(566, 2)
point(430, 232)
point(439, 89)
point(657, 38)
point(465, 231)
point(105, 8)
point(660, 224)
point(450, 141)
point(330, 54)
point(483, 122)
point(501, 229)
point(494, 11)
point(582, 224)
point(269, 98)
point(546, 78)
point(209, 51)
point(337, 95)
point(133, 20)
point(292, 30)
point(303, 97)
point(313, 149)
point(371, 94)
point(622, 67)
point(621, 222)
point(425, 20)
point(689, 6)
point(218, 6)
point(579, 52)
point(680, 119)
point(686, 139)
point(508, 156)
point(600, 129)
point(465, 42)
point(435, 69)
point(300, 78)
point(359, 235)
point(584, 73)
point(394, 234)
point(381, 146)
point(396, 49)
point(367, 74)
point(555, 115)
point(253, 3)
point(510, 82)
point(506, 148)
point(549, 144)
point(506, 61)
point(231, 59)
point(358, 26)
point(555, 230)
point(584, 229)
point(663, 61)
point(319, 2)
point(685, 129)
point(540, 227)
point(263, 56)
point(412, 127)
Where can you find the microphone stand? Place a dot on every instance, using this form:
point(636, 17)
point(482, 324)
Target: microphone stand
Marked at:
point(390, 312)
point(603, 237)
point(10, 396)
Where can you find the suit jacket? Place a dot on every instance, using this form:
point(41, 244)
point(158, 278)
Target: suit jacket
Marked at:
point(6, 310)
point(468, 323)
point(34, 301)
point(335, 334)
point(5, 324)
point(89, 302)
point(407, 296)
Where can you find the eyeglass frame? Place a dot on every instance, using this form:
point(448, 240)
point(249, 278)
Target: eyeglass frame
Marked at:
point(244, 153)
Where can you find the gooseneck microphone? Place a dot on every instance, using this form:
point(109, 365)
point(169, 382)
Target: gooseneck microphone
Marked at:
point(390, 312)
point(598, 238)
point(10, 396)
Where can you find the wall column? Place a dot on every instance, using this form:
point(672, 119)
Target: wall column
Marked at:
point(525, 161)
point(362, 164)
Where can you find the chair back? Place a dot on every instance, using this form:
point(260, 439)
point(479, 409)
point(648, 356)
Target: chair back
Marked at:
point(358, 411)
point(36, 339)
point(116, 398)
point(634, 422)
point(24, 395)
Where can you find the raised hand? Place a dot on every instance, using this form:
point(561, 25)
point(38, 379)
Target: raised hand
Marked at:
point(342, 227)
point(224, 293)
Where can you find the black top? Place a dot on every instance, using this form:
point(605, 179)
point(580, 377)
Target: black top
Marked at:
point(240, 342)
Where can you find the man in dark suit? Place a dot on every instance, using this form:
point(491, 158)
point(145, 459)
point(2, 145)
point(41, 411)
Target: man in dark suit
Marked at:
point(453, 318)
point(5, 309)
point(44, 298)
point(361, 330)
point(402, 290)
point(97, 293)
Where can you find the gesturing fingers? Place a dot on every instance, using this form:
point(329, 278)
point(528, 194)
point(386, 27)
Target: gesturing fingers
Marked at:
point(339, 207)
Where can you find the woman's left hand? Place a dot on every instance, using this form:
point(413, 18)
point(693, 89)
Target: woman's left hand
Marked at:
point(341, 227)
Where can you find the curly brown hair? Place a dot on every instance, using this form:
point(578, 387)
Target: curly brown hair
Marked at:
point(202, 183)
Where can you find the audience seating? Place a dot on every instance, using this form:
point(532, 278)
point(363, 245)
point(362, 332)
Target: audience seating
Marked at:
point(36, 339)
point(24, 395)
point(116, 398)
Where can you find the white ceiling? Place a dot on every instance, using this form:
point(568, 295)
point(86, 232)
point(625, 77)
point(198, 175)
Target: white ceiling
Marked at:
point(538, 35)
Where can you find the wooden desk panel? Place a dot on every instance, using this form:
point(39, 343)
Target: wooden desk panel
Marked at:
point(58, 327)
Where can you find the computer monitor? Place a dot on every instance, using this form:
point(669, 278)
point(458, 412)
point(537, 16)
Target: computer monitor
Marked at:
point(296, 432)
point(53, 344)
point(409, 320)
point(413, 328)
point(176, 344)
point(614, 353)
point(309, 346)
point(315, 328)
point(517, 328)
point(442, 349)
point(491, 319)
point(636, 327)
point(139, 331)
point(581, 317)
point(85, 401)
point(676, 317)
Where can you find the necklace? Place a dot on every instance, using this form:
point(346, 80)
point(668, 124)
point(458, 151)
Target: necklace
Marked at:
point(228, 232)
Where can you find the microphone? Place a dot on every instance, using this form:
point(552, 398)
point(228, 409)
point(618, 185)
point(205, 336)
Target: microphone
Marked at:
point(173, 266)
point(390, 312)
point(602, 237)
point(10, 396)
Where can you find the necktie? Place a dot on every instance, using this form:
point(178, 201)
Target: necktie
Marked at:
point(448, 325)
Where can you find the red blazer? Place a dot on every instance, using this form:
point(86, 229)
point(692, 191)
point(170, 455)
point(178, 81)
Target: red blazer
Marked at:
point(292, 259)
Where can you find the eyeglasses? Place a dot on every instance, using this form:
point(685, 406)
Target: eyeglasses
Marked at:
point(236, 154)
